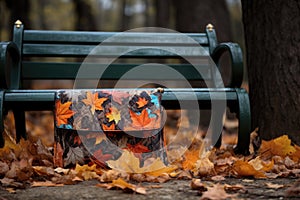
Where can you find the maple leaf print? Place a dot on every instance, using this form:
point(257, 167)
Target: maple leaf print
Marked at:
point(113, 115)
point(63, 112)
point(93, 101)
point(142, 102)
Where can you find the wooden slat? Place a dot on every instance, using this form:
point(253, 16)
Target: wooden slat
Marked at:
point(112, 51)
point(38, 36)
point(52, 70)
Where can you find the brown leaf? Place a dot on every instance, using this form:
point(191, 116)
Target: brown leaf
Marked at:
point(45, 184)
point(58, 155)
point(120, 183)
point(197, 184)
point(274, 186)
point(217, 192)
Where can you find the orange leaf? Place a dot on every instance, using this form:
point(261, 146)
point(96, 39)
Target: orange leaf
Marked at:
point(280, 146)
point(142, 102)
point(140, 121)
point(63, 112)
point(93, 101)
point(191, 158)
point(120, 183)
point(243, 168)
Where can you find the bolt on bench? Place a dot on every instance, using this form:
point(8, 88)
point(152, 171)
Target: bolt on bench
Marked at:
point(25, 59)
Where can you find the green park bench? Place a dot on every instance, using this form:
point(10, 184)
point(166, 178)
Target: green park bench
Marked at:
point(58, 55)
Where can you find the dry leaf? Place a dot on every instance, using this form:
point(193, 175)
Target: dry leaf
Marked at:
point(87, 172)
point(45, 184)
point(274, 186)
point(218, 178)
point(280, 146)
point(243, 168)
point(190, 160)
point(197, 184)
point(203, 166)
point(128, 162)
point(217, 192)
point(120, 183)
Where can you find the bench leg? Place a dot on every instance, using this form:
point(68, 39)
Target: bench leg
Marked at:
point(244, 117)
point(1, 118)
point(217, 126)
point(20, 125)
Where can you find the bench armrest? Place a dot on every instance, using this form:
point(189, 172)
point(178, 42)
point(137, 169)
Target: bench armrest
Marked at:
point(236, 56)
point(9, 66)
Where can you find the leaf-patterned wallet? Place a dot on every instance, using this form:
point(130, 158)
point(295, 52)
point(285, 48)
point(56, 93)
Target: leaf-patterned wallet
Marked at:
point(94, 126)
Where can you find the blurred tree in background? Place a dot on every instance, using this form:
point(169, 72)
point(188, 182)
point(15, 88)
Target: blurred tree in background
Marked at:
point(120, 15)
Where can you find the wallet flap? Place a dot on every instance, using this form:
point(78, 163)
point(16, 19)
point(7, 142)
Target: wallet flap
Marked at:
point(108, 109)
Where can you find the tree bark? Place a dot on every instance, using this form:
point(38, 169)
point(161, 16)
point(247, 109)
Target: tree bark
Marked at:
point(194, 15)
point(85, 18)
point(163, 8)
point(273, 59)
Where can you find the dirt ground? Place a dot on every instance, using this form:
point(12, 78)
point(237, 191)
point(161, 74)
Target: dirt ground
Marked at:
point(174, 189)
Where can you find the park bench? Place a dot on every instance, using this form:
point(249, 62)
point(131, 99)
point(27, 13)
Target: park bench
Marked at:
point(24, 59)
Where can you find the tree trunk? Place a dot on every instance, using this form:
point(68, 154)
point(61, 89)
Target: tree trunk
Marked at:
point(19, 10)
point(194, 15)
point(273, 58)
point(85, 18)
point(163, 8)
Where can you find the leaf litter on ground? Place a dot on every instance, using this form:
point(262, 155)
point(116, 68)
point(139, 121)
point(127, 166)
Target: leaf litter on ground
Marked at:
point(30, 164)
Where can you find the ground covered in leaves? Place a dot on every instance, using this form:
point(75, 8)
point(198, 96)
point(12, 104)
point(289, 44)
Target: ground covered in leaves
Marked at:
point(27, 171)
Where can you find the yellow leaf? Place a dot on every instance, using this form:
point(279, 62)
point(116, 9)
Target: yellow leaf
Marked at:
point(280, 146)
point(45, 184)
point(243, 168)
point(120, 183)
point(128, 162)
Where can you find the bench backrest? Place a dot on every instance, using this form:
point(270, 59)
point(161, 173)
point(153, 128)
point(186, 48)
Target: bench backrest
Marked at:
point(59, 54)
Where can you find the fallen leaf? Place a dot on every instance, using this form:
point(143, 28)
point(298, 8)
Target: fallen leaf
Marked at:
point(120, 183)
point(190, 160)
point(63, 112)
point(45, 184)
point(243, 168)
point(203, 166)
point(217, 192)
point(197, 184)
point(142, 120)
point(86, 172)
point(274, 186)
point(280, 146)
point(218, 178)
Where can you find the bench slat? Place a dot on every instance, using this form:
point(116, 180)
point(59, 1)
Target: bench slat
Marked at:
point(112, 51)
point(45, 98)
point(38, 36)
point(52, 70)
